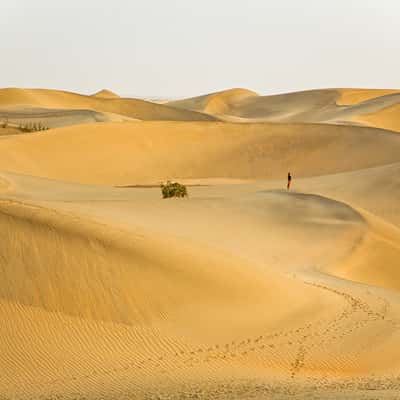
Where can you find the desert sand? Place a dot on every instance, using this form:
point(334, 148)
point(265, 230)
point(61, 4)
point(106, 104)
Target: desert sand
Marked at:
point(243, 290)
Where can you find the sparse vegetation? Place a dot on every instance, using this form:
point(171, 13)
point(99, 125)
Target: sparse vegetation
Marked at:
point(173, 189)
point(25, 128)
point(33, 127)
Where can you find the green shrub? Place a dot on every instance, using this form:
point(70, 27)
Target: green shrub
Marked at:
point(173, 189)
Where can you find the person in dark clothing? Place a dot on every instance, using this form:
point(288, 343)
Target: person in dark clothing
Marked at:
point(289, 180)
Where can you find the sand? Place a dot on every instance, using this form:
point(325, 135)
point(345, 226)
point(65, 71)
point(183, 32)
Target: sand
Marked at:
point(386, 118)
point(366, 107)
point(132, 108)
point(106, 94)
point(242, 290)
point(355, 96)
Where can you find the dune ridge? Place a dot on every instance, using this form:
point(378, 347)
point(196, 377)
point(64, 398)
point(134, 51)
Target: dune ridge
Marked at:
point(106, 94)
point(214, 103)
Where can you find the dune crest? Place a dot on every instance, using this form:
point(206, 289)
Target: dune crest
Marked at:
point(106, 94)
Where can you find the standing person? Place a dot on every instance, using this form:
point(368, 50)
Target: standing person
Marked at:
point(289, 180)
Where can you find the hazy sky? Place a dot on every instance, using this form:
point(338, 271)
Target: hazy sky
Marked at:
point(187, 47)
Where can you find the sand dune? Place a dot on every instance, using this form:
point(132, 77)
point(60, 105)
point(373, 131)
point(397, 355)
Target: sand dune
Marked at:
point(119, 153)
point(332, 106)
point(272, 108)
point(386, 118)
point(375, 190)
point(132, 108)
point(354, 96)
point(124, 299)
point(215, 103)
point(10, 130)
point(243, 290)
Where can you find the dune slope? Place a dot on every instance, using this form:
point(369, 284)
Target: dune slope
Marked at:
point(119, 153)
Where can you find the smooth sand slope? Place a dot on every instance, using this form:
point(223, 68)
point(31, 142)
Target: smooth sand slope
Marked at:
point(149, 152)
point(243, 290)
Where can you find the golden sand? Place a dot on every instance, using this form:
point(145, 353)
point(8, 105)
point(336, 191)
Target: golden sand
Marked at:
point(355, 96)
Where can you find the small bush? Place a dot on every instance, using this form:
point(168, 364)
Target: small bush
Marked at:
point(173, 189)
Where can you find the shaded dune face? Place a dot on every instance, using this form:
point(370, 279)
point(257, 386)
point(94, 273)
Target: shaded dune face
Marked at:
point(242, 290)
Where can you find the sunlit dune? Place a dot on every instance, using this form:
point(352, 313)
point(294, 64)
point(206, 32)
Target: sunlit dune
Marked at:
point(350, 97)
point(386, 118)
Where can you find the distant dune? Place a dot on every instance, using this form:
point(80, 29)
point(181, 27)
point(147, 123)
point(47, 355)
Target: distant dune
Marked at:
point(242, 290)
point(214, 103)
point(132, 108)
point(331, 106)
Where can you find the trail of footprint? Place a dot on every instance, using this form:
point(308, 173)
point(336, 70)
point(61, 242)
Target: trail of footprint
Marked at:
point(356, 305)
point(244, 347)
